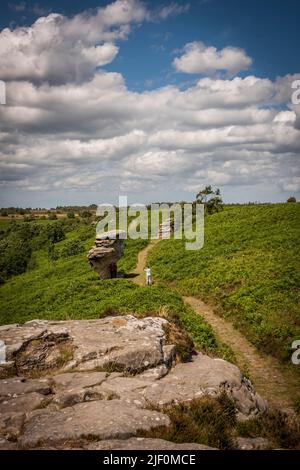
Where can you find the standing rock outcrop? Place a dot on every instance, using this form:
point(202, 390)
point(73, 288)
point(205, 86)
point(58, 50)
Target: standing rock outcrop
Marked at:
point(108, 249)
point(166, 229)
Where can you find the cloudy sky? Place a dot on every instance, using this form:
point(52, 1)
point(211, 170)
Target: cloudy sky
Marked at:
point(149, 99)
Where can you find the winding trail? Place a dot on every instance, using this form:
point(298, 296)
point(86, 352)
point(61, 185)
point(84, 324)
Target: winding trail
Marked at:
point(141, 263)
point(272, 381)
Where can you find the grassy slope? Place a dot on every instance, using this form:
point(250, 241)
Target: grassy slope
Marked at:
point(68, 289)
point(248, 268)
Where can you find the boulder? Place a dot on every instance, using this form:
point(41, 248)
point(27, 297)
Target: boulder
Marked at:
point(111, 344)
point(206, 376)
point(95, 420)
point(104, 255)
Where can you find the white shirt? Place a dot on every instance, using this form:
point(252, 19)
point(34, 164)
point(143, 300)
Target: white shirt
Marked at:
point(148, 272)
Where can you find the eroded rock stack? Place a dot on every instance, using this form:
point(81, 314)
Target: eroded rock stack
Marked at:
point(166, 229)
point(72, 382)
point(106, 252)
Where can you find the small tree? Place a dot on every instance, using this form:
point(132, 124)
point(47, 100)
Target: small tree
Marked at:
point(291, 199)
point(211, 198)
point(71, 215)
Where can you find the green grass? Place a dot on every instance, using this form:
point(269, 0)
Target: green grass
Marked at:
point(67, 288)
point(248, 269)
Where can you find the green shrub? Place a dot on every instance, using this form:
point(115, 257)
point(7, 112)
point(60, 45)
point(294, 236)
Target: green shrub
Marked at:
point(54, 233)
point(71, 248)
point(14, 256)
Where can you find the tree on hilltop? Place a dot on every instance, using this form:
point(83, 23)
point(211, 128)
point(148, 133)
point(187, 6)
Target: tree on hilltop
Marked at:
point(211, 198)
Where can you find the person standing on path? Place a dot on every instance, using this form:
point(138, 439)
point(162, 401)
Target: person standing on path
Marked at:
point(148, 275)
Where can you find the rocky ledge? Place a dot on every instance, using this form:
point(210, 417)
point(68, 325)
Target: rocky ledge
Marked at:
point(68, 383)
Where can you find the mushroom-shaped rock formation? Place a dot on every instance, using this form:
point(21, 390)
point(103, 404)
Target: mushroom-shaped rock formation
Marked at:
point(108, 249)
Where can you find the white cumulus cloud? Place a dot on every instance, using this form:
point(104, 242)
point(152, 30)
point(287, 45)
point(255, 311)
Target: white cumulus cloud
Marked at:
point(58, 49)
point(199, 58)
point(69, 127)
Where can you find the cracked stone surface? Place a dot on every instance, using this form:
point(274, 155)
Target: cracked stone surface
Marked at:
point(203, 376)
point(113, 382)
point(99, 419)
point(140, 443)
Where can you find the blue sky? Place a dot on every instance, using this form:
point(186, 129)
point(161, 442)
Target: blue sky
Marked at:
point(265, 31)
point(268, 30)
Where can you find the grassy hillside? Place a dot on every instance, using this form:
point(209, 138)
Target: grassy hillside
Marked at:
point(59, 284)
point(248, 268)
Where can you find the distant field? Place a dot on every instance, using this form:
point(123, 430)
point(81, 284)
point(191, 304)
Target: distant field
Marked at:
point(248, 269)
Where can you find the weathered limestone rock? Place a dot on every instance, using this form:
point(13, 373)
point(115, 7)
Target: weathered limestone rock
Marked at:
point(16, 386)
point(27, 402)
point(119, 367)
point(77, 387)
point(118, 344)
point(106, 252)
point(77, 380)
point(32, 347)
point(112, 343)
point(100, 419)
point(141, 443)
point(206, 376)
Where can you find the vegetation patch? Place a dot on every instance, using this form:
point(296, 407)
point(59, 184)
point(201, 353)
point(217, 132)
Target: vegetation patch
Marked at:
point(281, 429)
point(209, 421)
point(248, 269)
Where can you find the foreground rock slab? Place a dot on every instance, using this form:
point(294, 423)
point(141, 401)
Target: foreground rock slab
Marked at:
point(95, 420)
point(140, 443)
point(104, 380)
point(206, 376)
point(114, 343)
